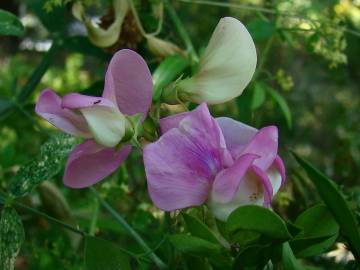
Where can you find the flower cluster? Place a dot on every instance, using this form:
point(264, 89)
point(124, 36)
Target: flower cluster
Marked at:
point(198, 159)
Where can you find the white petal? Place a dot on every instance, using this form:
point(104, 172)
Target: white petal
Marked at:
point(107, 124)
point(275, 178)
point(226, 67)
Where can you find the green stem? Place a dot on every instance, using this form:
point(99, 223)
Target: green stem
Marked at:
point(41, 214)
point(94, 218)
point(182, 30)
point(38, 73)
point(132, 232)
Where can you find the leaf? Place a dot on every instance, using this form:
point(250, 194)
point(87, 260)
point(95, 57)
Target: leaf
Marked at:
point(258, 219)
point(10, 24)
point(104, 255)
point(5, 105)
point(261, 29)
point(336, 203)
point(199, 229)
point(11, 237)
point(314, 239)
point(43, 167)
point(289, 260)
point(194, 245)
point(169, 69)
point(252, 256)
point(258, 97)
point(83, 45)
point(284, 107)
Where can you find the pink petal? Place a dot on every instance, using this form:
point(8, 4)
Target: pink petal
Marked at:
point(182, 164)
point(128, 82)
point(89, 163)
point(171, 121)
point(279, 164)
point(227, 182)
point(49, 107)
point(78, 101)
point(236, 134)
point(265, 145)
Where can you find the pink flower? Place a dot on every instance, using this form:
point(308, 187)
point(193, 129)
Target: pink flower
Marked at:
point(100, 120)
point(221, 162)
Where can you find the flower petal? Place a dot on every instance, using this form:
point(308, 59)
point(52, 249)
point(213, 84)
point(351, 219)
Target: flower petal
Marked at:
point(253, 188)
point(226, 67)
point(181, 165)
point(89, 163)
point(264, 144)
point(276, 174)
point(49, 107)
point(128, 82)
point(226, 183)
point(236, 134)
point(105, 121)
point(171, 121)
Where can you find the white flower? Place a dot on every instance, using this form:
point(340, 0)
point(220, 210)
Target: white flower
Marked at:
point(225, 68)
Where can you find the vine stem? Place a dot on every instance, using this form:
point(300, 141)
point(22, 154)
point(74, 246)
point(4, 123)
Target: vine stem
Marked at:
point(132, 232)
point(182, 30)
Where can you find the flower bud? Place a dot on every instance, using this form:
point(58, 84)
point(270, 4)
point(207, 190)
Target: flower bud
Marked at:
point(162, 48)
point(225, 68)
point(97, 35)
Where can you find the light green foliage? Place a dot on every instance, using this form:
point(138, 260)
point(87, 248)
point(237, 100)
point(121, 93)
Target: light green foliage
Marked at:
point(11, 237)
point(43, 167)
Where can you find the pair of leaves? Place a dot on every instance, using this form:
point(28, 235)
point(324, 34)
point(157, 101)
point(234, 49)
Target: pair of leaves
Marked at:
point(336, 203)
point(315, 238)
point(11, 237)
point(10, 24)
point(46, 165)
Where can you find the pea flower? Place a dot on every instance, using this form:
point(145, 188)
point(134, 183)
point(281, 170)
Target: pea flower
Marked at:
point(102, 121)
point(225, 68)
point(220, 162)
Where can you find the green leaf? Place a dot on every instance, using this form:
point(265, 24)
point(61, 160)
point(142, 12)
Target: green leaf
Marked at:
point(11, 237)
point(194, 245)
point(252, 256)
point(10, 24)
point(258, 97)
point(104, 255)
point(261, 29)
point(336, 203)
point(314, 239)
point(199, 229)
point(284, 107)
point(43, 167)
point(5, 105)
point(288, 259)
point(169, 70)
point(83, 45)
point(258, 219)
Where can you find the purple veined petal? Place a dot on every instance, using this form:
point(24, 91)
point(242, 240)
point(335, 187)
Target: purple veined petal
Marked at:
point(226, 183)
point(263, 144)
point(254, 187)
point(89, 163)
point(237, 135)
point(79, 101)
point(171, 121)
point(128, 82)
point(49, 107)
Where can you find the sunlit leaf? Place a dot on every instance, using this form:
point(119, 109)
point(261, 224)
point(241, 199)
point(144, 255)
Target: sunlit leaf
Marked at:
point(336, 203)
point(43, 167)
point(10, 24)
point(11, 237)
point(104, 255)
point(258, 219)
